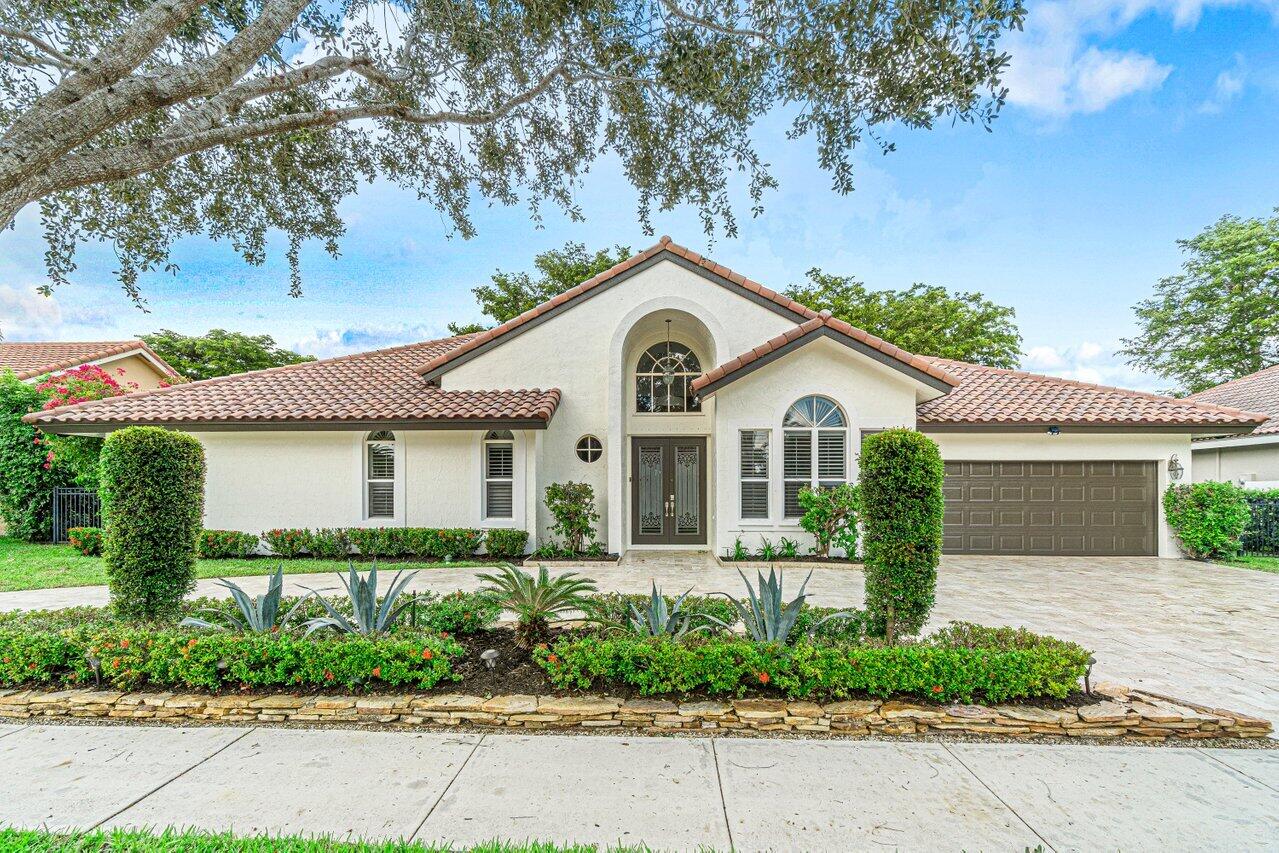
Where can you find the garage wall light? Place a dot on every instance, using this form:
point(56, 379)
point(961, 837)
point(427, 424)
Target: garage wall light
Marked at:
point(1054, 430)
point(1175, 470)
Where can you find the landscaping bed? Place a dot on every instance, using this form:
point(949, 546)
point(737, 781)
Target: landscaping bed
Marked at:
point(801, 562)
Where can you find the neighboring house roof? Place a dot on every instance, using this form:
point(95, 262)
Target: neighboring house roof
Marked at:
point(687, 258)
point(997, 398)
point(29, 360)
point(374, 388)
point(823, 326)
point(1257, 392)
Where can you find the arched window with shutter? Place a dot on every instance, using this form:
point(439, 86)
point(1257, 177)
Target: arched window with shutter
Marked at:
point(814, 449)
point(379, 474)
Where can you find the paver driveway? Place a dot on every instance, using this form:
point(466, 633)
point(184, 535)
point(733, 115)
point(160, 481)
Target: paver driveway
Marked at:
point(1201, 632)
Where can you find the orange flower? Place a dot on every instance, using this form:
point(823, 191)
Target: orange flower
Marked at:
point(553, 658)
point(124, 644)
point(328, 675)
point(763, 677)
point(191, 643)
point(937, 688)
point(427, 654)
point(115, 663)
point(377, 672)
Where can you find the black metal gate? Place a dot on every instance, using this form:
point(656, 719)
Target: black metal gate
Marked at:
point(1262, 535)
point(73, 507)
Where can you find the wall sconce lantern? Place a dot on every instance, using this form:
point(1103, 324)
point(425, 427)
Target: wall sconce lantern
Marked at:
point(1175, 470)
point(1054, 430)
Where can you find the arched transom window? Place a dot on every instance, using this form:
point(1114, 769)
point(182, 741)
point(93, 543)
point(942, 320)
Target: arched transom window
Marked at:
point(664, 379)
point(814, 449)
point(379, 474)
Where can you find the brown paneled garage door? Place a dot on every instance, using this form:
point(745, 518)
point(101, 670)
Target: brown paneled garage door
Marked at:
point(1067, 508)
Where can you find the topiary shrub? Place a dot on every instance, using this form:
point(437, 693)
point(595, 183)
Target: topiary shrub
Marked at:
point(287, 542)
point(86, 540)
point(225, 545)
point(152, 503)
point(901, 515)
point(572, 505)
point(830, 514)
point(29, 469)
point(505, 543)
point(1208, 518)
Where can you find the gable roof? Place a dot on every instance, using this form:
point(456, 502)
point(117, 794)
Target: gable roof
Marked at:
point(1258, 392)
point(378, 388)
point(999, 399)
point(823, 326)
point(663, 250)
point(36, 358)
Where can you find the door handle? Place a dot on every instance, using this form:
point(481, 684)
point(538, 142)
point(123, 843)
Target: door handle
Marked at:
point(670, 506)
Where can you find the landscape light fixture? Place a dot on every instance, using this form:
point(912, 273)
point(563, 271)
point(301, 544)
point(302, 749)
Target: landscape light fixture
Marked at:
point(1175, 469)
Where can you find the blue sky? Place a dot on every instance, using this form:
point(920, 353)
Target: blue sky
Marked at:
point(1129, 125)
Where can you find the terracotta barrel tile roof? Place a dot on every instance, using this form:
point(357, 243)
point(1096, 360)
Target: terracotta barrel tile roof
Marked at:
point(989, 395)
point(374, 386)
point(824, 320)
point(1258, 392)
point(37, 358)
point(664, 245)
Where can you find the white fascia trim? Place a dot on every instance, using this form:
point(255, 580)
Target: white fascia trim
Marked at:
point(1236, 441)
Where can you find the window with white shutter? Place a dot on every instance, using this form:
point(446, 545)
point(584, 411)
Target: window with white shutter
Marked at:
point(754, 473)
point(379, 474)
point(814, 449)
point(499, 474)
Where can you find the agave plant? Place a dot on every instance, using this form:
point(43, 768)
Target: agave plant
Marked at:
point(368, 615)
point(257, 615)
point(661, 620)
point(768, 617)
point(537, 600)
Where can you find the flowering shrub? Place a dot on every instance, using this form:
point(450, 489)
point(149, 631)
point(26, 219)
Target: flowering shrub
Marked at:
point(505, 542)
point(82, 384)
point(964, 663)
point(224, 544)
point(1208, 518)
point(329, 543)
point(86, 540)
point(287, 542)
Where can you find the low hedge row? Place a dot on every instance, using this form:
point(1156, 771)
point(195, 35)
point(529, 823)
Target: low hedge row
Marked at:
point(131, 656)
point(436, 543)
point(965, 663)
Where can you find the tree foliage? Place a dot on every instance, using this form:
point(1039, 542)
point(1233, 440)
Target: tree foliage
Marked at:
point(220, 353)
point(925, 319)
point(138, 123)
point(1218, 319)
point(557, 270)
point(1208, 518)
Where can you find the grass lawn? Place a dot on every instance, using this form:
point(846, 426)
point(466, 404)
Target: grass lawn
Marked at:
point(171, 841)
point(24, 565)
point(1254, 561)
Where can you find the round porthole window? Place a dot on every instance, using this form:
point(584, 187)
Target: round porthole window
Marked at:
point(589, 448)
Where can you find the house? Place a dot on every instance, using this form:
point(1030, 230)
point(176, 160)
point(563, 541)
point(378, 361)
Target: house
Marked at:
point(131, 363)
point(695, 401)
point(1251, 459)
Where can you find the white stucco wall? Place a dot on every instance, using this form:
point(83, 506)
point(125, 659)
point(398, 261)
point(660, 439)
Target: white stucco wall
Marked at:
point(137, 370)
point(315, 478)
point(1041, 447)
point(871, 395)
point(1240, 462)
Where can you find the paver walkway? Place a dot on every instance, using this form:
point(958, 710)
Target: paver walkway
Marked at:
point(1198, 631)
point(669, 793)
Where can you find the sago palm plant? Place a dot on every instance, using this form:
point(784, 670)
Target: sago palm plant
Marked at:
point(537, 600)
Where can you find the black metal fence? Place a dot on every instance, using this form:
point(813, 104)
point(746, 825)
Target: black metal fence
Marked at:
point(1262, 534)
point(74, 507)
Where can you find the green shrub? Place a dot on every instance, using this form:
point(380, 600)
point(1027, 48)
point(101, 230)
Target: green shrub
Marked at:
point(901, 515)
point(1208, 518)
point(287, 542)
point(506, 543)
point(86, 540)
point(830, 514)
point(329, 543)
point(614, 607)
point(572, 505)
point(372, 541)
point(457, 542)
point(456, 613)
point(225, 544)
point(851, 628)
point(420, 542)
point(152, 503)
point(939, 669)
point(29, 469)
point(131, 656)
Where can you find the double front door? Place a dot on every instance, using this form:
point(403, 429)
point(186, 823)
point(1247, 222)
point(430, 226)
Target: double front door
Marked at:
point(668, 490)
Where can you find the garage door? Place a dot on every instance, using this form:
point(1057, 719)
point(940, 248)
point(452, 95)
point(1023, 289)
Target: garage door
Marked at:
point(1067, 508)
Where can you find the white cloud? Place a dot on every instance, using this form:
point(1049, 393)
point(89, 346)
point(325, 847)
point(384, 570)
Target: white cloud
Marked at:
point(1057, 67)
point(1088, 361)
point(1228, 87)
point(25, 314)
point(1043, 358)
point(330, 342)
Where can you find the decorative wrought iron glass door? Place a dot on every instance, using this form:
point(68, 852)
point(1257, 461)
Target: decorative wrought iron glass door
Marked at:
point(668, 490)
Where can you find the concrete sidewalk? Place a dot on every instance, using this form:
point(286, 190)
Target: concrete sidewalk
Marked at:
point(669, 793)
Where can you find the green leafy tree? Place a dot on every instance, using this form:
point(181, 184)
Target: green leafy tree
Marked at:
point(138, 123)
point(1218, 319)
point(557, 270)
point(220, 353)
point(925, 319)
